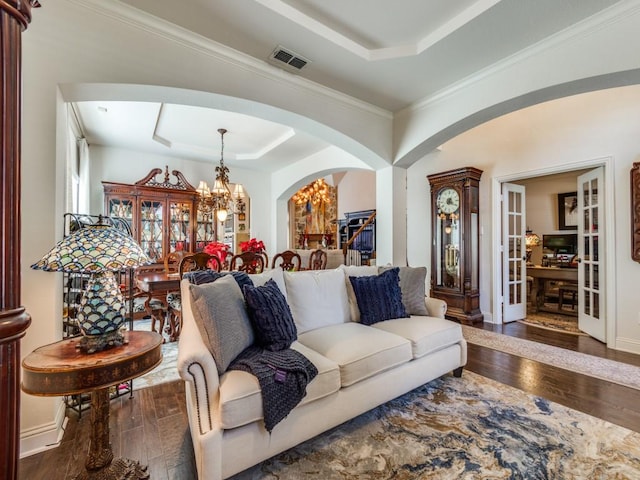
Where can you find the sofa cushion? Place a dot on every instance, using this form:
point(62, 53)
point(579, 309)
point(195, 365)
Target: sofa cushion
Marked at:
point(220, 313)
point(241, 401)
point(355, 271)
point(427, 334)
point(317, 298)
point(379, 297)
point(274, 274)
point(270, 316)
point(359, 350)
point(412, 285)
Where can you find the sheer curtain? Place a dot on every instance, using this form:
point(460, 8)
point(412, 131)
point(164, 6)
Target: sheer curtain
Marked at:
point(77, 197)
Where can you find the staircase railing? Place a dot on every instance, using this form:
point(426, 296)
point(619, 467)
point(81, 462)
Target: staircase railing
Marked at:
point(349, 242)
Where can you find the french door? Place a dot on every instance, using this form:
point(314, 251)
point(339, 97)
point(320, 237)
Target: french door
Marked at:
point(514, 285)
point(591, 242)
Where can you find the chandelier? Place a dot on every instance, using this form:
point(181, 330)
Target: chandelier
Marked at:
point(315, 193)
point(220, 199)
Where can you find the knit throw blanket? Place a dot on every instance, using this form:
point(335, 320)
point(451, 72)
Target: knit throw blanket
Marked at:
point(283, 378)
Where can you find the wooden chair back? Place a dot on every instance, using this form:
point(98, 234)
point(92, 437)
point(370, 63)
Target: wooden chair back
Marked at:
point(248, 262)
point(172, 261)
point(199, 261)
point(287, 260)
point(318, 260)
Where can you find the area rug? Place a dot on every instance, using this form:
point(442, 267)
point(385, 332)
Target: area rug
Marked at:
point(553, 321)
point(602, 368)
point(167, 371)
point(462, 428)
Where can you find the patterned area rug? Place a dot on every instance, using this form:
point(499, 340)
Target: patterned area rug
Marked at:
point(462, 428)
point(167, 371)
point(610, 370)
point(553, 321)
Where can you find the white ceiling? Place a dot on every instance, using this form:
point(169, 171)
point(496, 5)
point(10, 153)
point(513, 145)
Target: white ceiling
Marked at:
point(388, 54)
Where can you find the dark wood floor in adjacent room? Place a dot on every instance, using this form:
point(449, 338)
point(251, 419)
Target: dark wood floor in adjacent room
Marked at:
point(152, 426)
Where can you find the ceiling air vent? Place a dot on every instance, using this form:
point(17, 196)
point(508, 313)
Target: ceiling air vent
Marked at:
point(283, 57)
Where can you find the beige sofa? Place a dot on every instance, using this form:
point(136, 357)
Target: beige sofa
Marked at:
point(359, 367)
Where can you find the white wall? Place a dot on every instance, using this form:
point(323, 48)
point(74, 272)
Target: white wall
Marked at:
point(564, 132)
point(356, 191)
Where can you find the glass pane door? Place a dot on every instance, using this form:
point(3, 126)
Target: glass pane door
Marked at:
point(514, 286)
point(590, 241)
point(180, 227)
point(122, 208)
point(151, 228)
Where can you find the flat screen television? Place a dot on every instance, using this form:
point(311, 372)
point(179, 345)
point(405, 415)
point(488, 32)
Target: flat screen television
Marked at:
point(561, 243)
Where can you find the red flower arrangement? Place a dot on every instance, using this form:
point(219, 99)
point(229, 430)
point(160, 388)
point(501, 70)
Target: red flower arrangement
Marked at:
point(219, 249)
point(253, 245)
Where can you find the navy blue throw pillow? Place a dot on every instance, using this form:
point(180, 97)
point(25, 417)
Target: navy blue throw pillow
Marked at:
point(379, 297)
point(199, 277)
point(270, 316)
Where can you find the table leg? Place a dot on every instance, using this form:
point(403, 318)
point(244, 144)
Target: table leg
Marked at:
point(100, 464)
point(534, 295)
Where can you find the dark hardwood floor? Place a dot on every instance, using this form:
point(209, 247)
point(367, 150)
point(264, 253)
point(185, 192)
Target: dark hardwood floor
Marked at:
point(152, 426)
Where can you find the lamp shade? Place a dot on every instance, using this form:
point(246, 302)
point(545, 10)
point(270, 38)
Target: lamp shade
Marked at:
point(97, 250)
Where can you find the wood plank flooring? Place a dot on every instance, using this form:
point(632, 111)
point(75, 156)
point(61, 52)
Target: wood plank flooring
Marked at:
point(152, 426)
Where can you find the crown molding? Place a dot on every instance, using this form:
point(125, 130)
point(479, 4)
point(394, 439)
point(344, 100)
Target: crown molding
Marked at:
point(614, 14)
point(149, 23)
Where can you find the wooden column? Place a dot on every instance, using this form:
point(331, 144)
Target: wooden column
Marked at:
point(15, 16)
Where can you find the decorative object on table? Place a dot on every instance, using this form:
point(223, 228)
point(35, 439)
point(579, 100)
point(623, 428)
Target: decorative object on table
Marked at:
point(253, 245)
point(221, 200)
point(568, 211)
point(635, 212)
point(219, 249)
point(58, 369)
point(531, 240)
point(455, 242)
point(98, 250)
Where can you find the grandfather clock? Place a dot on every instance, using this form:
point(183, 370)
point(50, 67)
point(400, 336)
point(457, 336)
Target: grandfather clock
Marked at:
point(455, 239)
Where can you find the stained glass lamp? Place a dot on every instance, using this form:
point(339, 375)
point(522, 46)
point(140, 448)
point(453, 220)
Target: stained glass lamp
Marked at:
point(98, 250)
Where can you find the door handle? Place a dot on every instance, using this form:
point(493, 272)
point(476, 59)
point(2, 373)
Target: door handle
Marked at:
point(578, 260)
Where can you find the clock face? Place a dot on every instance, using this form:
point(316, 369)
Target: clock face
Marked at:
point(448, 200)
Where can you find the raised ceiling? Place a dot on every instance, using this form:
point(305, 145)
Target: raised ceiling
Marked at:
point(389, 54)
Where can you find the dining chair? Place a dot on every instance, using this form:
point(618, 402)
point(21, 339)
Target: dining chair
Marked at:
point(142, 304)
point(248, 262)
point(318, 260)
point(174, 300)
point(189, 262)
point(287, 260)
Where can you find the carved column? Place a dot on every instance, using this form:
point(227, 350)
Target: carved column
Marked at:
point(15, 16)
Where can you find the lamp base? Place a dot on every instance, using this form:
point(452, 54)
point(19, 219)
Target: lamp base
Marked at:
point(97, 343)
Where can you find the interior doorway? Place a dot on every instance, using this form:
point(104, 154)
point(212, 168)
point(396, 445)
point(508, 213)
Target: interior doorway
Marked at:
point(542, 215)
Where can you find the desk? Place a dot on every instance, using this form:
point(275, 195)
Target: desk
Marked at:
point(159, 284)
point(540, 275)
point(62, 369)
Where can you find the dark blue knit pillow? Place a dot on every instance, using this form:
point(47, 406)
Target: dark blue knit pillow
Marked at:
point(199, 277)
point(270, 316)
point(379, 297)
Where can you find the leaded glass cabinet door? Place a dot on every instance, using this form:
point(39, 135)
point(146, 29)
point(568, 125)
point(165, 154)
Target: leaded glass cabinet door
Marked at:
point(204, 229)
point(180, 226)
point(122, 207)
point(514, 285)
point(591, 241)
point(152, 228)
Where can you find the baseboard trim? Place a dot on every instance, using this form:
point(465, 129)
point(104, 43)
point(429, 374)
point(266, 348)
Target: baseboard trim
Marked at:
point(44, 437)
point(629, 345)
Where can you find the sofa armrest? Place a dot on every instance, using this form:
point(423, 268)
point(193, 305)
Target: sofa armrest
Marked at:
point(435, 307)
point(197, 368)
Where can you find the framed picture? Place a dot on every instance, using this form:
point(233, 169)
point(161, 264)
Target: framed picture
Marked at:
point(568, 211)
point(242, 216)
point(241, 227)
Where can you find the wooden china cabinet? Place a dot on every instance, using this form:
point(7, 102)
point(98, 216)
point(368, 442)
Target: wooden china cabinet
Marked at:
point(162, 214)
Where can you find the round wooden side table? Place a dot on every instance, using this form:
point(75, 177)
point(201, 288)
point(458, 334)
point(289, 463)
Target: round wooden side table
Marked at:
point(62, 369)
